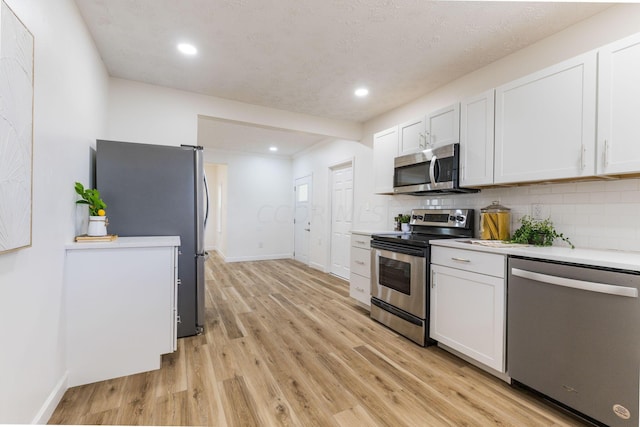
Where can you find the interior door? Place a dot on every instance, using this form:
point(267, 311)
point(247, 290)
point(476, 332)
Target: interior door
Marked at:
point(302, 219)
point(341, 218)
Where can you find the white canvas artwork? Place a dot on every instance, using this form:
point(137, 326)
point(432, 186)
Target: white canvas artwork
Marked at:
point(16, 131)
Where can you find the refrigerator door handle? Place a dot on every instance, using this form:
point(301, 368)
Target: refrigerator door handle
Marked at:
point(206, 191)
point(199, 195)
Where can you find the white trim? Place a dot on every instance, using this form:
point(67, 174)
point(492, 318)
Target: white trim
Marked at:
point(318, 266)
point(50, 405)
point(500, 375)
point(259, 257)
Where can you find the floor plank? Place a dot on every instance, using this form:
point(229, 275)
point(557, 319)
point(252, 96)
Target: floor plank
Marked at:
point(284, 345)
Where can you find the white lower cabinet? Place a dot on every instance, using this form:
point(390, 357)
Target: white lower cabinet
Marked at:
point(467, 304)
point(360, 276)
point(121, 306)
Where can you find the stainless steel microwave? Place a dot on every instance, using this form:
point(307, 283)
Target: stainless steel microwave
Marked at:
point(430, 171)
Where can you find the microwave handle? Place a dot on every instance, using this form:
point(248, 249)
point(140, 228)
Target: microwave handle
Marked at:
point(432, 169)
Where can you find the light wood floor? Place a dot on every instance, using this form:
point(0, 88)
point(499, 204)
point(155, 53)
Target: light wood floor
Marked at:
point(285, 345)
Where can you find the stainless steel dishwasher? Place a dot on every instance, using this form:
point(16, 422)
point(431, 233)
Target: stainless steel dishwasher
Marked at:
point(573, 334)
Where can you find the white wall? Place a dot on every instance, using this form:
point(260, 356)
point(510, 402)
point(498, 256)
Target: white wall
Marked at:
point(145, 113)
point(257, 206)
point(583, 211)
point(369, 211)
point(70, 94)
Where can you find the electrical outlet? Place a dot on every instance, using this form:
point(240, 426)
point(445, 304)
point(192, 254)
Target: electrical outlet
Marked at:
point(536, 211)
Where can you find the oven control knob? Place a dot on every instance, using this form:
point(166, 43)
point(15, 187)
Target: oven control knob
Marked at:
point(460, 218)
point(452, 218)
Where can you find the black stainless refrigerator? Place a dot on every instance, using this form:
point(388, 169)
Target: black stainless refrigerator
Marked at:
point(156, 190)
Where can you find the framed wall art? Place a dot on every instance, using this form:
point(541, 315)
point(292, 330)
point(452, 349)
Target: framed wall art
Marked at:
point(16, 131)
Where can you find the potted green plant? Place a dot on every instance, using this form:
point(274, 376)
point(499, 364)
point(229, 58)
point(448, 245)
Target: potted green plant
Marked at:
point(538, 232)
point(97, 218)
point(404, 222)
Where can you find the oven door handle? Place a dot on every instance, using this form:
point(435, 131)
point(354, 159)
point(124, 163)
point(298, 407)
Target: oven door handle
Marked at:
point(432, 169)
point(405, 250)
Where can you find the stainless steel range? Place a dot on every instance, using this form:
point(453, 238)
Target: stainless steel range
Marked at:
point(399, 269)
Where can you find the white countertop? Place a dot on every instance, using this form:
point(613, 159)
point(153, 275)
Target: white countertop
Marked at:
point(128, 242)
point(625, 260)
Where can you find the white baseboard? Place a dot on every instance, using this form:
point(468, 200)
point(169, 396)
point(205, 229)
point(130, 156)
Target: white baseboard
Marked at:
point(501, 375)
point(318, 266)
point(257, 257)
point(50, 405)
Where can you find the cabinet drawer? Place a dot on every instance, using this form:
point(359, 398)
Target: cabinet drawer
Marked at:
point(361, 241)
point(360, 288)
point(361, 261)
point(477, 262)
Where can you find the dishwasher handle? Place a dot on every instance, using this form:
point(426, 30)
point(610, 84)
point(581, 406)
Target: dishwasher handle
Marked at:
point(603, 288)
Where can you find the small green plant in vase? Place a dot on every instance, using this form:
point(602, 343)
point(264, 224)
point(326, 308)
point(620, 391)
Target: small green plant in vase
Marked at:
point(538, 232)
point(91, 197)
point(404, 222)
point(97, 220)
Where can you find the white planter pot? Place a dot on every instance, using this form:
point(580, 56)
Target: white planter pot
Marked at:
point(405, 227)
point(97, 226)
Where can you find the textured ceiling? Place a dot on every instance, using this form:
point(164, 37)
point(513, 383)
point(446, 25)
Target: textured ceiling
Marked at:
point(308, 56)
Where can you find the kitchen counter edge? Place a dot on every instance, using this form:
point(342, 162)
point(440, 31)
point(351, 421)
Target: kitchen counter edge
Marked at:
point(128, 242)
point(624, 260)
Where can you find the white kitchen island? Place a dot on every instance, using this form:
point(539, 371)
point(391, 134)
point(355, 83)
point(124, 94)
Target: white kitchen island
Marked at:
point(120, 301)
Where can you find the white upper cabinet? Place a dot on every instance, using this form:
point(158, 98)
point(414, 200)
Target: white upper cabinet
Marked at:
point(619, 107)
point(545, 123)
point(443, 126)
point(476, 139)
point(385, 149)
point(412, 137)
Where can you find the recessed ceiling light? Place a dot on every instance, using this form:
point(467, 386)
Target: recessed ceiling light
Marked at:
point(273, 148)
point(187, 49)
point(362, 92)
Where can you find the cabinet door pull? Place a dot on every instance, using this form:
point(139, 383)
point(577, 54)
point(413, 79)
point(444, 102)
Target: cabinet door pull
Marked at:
point(360, 242)
point(583, 150)
point(359, 262)
point(427, 140)
point(460, 259)
point(606, 153)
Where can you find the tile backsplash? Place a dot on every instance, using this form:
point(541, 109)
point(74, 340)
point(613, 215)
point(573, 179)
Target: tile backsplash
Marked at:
point(593, 214)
